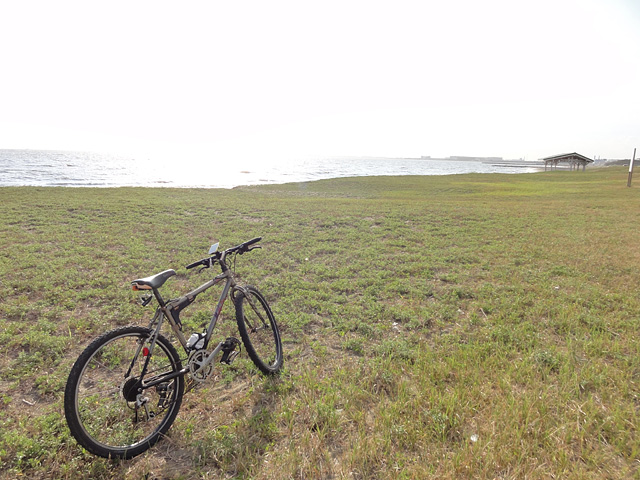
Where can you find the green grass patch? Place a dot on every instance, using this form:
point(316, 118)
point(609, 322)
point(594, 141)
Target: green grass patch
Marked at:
point(467, 326)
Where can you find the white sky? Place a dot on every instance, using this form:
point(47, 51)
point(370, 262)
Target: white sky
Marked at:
point(275, 79)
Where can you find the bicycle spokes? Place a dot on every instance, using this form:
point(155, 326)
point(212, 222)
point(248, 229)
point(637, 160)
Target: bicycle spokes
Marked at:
point(115, 414)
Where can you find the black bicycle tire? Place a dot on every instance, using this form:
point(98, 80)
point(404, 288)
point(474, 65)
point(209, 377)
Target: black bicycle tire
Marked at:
point(267, 369)
point(71, 405)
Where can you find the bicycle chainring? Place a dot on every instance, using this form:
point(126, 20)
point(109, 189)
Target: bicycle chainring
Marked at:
point(196, 361)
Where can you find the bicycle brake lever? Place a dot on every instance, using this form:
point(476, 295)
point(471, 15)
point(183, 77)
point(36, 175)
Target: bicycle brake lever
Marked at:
point(205, 267)
point(210, 264)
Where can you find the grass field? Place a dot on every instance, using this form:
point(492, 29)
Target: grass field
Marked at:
point(468, 326)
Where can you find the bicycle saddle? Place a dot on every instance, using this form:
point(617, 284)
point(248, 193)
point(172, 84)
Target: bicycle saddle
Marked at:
point(154, 281)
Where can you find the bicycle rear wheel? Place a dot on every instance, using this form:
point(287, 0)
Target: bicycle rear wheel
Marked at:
point(108, 410)
point(258, 330)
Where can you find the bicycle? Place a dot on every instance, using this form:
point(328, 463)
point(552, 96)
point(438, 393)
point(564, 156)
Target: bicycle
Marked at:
point(126, 388)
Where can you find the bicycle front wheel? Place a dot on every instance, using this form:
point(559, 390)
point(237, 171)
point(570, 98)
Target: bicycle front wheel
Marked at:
point(108, 408)
point(258, 330)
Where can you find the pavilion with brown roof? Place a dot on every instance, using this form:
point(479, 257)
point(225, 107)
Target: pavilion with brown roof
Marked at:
point(575, 161)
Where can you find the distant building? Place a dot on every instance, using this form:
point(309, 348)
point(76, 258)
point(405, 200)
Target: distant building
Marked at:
point(575, 161)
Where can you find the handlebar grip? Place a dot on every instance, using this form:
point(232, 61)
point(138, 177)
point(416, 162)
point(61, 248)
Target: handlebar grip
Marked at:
point(244, 247)
point(194, 265)
point(252, 241)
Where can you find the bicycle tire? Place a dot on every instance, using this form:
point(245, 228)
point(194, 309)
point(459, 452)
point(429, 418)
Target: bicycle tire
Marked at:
point(102, 388)
point(259, 330)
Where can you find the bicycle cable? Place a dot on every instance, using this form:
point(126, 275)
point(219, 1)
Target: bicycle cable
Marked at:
point(233, 268)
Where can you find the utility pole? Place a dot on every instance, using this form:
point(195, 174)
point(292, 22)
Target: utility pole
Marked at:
point(631, 168)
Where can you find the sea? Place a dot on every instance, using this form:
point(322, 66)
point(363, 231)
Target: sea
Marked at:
point(51, 168)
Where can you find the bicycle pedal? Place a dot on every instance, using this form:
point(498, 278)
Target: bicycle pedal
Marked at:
point(232, 357)
point(230, 350)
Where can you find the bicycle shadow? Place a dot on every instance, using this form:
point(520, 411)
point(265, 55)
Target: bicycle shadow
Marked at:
point(248, 427)
point(228, 429)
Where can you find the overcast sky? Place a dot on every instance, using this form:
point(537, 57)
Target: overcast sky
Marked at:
point(276, 79)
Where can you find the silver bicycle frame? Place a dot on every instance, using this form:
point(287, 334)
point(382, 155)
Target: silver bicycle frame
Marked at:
point(164, 311)
point(165, 308)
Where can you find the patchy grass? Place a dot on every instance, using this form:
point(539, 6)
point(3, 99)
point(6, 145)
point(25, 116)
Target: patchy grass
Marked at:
point(468, 326)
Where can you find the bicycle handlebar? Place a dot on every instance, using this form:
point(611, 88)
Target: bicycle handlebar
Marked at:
point(242, 248)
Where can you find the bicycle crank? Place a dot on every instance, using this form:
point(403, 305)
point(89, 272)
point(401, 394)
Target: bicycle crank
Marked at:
point(200, 362)
point(199, 367)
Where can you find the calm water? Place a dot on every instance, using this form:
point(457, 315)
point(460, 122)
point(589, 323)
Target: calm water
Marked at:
point(82, 169)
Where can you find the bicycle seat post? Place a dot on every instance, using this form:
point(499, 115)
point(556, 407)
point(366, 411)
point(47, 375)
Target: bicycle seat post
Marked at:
point(161, 302)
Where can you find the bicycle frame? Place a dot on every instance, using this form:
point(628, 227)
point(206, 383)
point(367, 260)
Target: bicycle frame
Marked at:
point(164, 311)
